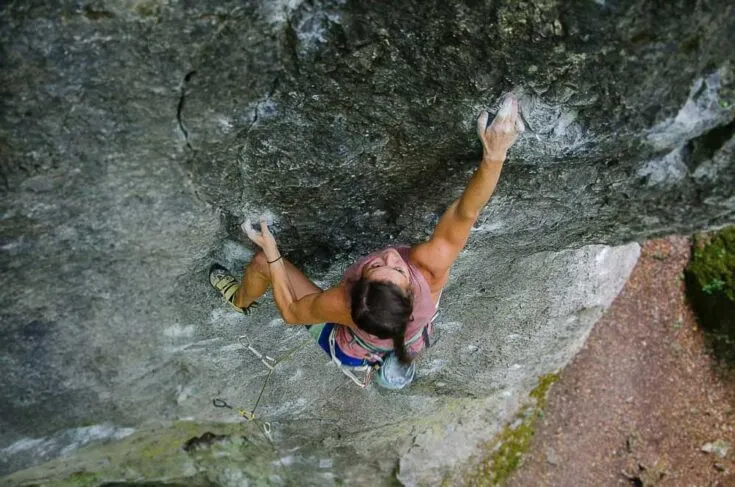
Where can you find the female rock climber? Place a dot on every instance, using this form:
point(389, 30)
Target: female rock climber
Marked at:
point(384, 305)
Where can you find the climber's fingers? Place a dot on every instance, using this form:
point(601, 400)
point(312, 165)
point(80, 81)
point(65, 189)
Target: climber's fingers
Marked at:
point(252, 233)
point(482, 124)
point(268, 241)
point(507, 115)
point(520, 126)
point(263, 238)
point(264, 226)
point(482, 127)
point(268, 238)
point(504, 129)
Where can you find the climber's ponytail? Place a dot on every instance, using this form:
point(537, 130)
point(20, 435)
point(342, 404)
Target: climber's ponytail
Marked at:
point(400, 348)
point(384, 310)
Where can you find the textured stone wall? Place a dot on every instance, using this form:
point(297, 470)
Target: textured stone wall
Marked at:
point(135, 135)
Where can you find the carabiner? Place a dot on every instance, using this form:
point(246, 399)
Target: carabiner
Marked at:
point(220, 403)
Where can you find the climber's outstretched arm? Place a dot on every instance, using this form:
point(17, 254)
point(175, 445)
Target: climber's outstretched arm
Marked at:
point(436, 256)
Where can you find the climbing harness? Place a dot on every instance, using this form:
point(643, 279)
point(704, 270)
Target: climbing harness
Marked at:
point(367, 368)
point(376, 358)
point(381, 362)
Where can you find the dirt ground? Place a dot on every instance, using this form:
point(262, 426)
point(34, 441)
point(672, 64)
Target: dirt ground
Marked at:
point(641, 401)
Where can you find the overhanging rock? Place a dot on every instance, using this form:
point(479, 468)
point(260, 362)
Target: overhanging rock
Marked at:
point(135, 135)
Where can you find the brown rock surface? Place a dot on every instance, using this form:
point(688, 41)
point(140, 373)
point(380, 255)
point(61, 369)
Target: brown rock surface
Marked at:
point(643, 397)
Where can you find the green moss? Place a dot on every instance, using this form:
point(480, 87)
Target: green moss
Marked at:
point(157, 455)
point(505, 451)
point(513, 444)
point(710, 282)
point(713, 263)
point(80, 479)
point(165, 445)
point(540, 392)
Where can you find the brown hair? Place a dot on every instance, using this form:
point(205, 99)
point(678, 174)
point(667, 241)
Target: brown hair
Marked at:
point(382, 309)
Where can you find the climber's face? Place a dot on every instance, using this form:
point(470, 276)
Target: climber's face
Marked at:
point(388, 266)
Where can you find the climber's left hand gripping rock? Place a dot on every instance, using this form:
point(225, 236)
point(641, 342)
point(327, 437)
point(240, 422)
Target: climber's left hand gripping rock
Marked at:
point(263, 239)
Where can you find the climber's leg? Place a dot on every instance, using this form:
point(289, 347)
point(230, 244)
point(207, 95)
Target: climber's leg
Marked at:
point(256, 280)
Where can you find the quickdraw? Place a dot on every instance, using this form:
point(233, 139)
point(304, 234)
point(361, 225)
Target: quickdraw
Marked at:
point(249, 415)
point(270, 363)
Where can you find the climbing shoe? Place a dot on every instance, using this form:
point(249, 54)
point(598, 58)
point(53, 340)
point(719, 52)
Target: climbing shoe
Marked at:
point(227, 286)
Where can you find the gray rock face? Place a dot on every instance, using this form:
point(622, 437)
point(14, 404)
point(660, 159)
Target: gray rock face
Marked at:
point(134, 136)
point(503, 325)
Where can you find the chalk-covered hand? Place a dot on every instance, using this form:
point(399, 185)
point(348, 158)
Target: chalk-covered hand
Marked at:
point(263, 239)
point(502, 132)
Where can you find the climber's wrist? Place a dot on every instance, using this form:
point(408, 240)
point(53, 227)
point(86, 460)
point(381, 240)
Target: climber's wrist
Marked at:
point(272, 253)
point(494, 157)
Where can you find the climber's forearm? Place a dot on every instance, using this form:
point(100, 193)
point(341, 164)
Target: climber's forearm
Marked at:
point(451, 233)
point(480, 188)
point(309, 309)
point(283, 292)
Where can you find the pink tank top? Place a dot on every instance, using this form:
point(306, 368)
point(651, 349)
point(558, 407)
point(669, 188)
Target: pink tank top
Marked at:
point(423, 312)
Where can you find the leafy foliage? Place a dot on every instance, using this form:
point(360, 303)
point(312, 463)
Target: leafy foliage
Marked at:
point(710, 279)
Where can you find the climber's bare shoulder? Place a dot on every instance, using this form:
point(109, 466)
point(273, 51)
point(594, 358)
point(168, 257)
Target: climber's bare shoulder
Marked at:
point(435, 257)
point(431, 259)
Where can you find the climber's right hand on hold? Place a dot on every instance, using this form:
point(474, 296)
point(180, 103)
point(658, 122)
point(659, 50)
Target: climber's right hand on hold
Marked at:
point(502, 132)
